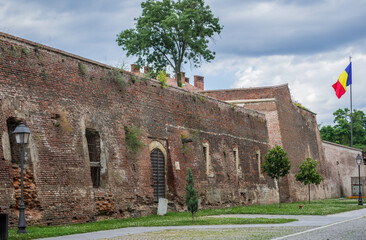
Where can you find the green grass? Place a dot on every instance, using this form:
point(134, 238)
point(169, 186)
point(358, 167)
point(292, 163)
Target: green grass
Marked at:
point(171, 219)
point(319, 207)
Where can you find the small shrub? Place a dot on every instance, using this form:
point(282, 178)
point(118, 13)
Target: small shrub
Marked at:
point(12, 51)
point(134, 79)
point(25, 51)
point(194, 98)
point(83, 69)
point(162, 78)
point(117, 76)
point(133, 142)
point(219, 107)
point(201, 98)
point(301, 106)
point(148, 76)
point(37, 47)
point(191, 198)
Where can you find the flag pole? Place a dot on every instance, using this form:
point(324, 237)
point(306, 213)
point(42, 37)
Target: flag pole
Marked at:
point(351, 106)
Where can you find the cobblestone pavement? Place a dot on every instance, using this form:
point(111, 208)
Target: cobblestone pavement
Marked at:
point(216, 233)
point(347, 230)
point(304, 221)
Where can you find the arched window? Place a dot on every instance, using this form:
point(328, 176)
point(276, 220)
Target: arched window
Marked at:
point(158, 167)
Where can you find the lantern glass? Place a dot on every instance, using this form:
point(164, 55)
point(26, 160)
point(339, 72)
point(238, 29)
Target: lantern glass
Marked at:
point(358, 159)
point(21, 133)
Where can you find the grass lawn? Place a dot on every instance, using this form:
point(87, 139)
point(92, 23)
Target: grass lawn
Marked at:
point(316, 207)
point(171, 219)
point(320, 207)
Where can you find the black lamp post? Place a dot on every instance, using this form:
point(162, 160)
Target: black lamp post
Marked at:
point(21, 133)
point(359, 160)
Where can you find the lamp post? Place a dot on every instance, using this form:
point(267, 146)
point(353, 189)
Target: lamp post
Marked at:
point(359, 160)
point(21, 133)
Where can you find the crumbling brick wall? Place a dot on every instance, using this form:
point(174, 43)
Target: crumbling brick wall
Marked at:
point(60, 95)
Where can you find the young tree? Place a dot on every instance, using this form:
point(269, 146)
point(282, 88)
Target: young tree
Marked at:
point(308, 174)
point(171, 33)
point(191, 194)
point(276, 165)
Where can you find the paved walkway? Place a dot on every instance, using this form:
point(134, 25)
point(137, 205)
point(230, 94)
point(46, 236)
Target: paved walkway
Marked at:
point(303, 221)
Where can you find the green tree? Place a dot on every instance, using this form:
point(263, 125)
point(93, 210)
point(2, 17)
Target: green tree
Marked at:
point(191, 194)
point(308, 174)
point(276, 165)
point(171, 33)
point(341, 132)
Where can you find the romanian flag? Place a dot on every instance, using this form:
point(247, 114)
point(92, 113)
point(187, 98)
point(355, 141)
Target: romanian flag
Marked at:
point(344, 80)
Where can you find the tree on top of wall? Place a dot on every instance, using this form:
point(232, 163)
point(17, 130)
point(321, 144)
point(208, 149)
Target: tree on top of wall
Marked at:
point(308, 174)
point(191, 194)
point(171, 33)
point(276, 165)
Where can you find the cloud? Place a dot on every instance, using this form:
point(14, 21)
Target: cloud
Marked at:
point(305, 43)
point(289, 27)
point(310, 78)
point(86, 28)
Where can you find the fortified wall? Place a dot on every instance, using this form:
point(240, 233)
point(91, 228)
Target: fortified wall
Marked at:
point(296, 130)
point(107, 143)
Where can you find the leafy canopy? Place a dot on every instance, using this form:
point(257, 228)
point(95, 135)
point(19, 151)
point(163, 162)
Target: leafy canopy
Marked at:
point(307, 173)
point(276, 163)
point(171, 33)
point(341, 132)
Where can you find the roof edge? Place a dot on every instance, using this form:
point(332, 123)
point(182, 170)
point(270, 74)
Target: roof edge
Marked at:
point(240, 89)
point(340, 145)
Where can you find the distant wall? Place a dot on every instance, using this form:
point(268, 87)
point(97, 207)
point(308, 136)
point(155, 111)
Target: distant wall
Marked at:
point(341, 161)
point(61, 97)
point(296, 130)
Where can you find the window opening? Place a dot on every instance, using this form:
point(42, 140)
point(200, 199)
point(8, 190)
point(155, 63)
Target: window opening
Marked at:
point(12, 123)
point(258, 157)
point(206, 155)
point(93, 140)
point(236, 159)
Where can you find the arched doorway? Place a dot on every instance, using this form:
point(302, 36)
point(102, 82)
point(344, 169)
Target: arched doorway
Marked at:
point(158, 167)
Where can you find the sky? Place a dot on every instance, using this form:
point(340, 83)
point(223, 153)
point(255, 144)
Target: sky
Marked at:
point(303, 43)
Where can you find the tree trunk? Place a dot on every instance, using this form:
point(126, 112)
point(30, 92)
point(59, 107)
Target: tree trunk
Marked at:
point(279, 193)
point(179, 80)
point(309, 193)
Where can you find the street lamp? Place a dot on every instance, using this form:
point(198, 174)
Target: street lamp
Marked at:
point(358, 161)
point(21, 133)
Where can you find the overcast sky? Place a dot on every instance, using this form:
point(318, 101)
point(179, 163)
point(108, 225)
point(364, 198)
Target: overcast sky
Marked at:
point(305, 43)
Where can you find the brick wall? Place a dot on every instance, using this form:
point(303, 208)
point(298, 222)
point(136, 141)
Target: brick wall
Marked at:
point(341, 162)
point(60, 95)
point(296, 130)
